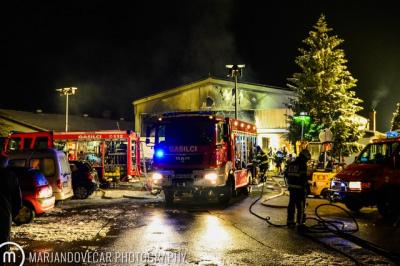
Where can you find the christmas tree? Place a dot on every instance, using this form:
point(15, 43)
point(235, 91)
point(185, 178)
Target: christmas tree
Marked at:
point(324, 90)
point(396, 118)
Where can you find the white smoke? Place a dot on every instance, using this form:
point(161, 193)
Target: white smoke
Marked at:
point(379, 95)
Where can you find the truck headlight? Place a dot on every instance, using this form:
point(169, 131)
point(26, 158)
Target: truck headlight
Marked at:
point(211, 176)
point(156, 176)
point(355, 185)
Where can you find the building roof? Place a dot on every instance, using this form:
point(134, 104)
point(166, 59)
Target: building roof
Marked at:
point(215, 81)
point(45, 121)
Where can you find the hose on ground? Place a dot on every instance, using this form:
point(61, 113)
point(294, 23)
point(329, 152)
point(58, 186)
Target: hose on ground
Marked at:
point(323, 225)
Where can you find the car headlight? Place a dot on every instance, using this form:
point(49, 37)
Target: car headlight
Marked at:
point(156, 176)
point(211, 176)
point(356, 185)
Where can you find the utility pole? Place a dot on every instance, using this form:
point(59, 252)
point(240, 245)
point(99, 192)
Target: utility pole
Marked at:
point(235, 71)
point(66, 92)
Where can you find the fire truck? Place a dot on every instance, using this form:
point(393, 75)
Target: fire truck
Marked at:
point(115, 154)
point(202, 154)
point(373, 178)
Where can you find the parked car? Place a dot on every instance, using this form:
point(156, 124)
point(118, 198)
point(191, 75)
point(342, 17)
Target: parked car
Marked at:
point(84, 179)
point(37, 194)
point(53, 164)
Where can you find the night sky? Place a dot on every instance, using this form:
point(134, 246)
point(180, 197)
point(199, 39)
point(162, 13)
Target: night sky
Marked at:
point(119, 51)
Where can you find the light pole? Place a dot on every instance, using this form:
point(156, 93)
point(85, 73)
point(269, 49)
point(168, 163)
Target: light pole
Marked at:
point(303, 118)
point(302, 115)
point(235, 71)
point(66, 92)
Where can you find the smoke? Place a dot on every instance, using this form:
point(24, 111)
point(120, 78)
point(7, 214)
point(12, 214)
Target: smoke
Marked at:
point(212, 43)
point(379, 95)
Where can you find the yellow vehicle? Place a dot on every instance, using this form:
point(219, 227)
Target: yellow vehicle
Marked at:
point(322, 168)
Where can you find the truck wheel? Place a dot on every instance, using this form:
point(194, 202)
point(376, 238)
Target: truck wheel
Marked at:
point(226, 192)
point(353, 205)
point(387, 205)
point(169, 197)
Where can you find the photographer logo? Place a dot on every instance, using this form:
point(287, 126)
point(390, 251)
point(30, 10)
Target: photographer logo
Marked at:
point(13, 253)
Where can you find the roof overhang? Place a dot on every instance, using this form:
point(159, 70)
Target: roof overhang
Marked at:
point(214, 81)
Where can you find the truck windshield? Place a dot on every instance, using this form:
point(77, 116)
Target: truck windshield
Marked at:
point(185, 131)
point(377, 153)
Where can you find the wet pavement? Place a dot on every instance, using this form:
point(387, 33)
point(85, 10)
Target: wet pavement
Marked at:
point(141, 230)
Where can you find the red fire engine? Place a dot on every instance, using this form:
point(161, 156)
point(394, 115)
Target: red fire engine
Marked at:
point(373, 178)
point(114, 153)
point(202, 154)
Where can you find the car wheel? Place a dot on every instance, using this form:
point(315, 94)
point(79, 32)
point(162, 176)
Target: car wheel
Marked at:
point(325, 194)
point(387, 205)
point(353, 205)
point(25, 215)
point(81, 193)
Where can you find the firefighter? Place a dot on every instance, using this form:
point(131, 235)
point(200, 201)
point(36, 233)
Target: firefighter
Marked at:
point(262, 161)
point(296, 176)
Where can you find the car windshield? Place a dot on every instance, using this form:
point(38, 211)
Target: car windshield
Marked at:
point(377, 153)
point(186, 131)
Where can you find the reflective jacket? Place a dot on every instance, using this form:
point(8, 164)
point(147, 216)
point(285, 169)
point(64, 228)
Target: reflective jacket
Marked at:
point(261, 158)
point(296, 174)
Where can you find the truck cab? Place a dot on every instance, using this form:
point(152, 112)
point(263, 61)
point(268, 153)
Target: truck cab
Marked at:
point(373, 179)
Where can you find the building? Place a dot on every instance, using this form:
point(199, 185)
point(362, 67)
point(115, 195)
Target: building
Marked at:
point(12, 120)
point(263, 105)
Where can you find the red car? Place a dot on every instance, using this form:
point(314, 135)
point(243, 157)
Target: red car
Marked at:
point(37, 194)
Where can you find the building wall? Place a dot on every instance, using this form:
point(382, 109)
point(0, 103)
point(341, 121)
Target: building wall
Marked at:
point(253, 101)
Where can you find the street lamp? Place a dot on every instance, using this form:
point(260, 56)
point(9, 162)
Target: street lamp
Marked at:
point(235, 71)
point(303, 118)
point(66, 92)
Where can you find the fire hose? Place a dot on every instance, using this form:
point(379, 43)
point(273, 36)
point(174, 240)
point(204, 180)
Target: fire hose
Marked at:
point(322, 225)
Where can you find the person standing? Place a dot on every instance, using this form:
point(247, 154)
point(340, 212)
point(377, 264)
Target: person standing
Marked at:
point(296, 176)
point(10, 202)
point(262, 162)
point(279, 157)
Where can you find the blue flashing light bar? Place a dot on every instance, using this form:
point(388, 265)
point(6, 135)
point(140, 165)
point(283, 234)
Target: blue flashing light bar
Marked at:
point(159, 153)
point(392, 134)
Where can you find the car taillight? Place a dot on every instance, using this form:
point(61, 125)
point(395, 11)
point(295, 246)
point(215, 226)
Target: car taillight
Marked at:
point(59, 184)
point(365, 185)
point(44, 192)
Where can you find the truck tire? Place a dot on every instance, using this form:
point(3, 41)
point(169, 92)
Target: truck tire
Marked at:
point(353, 205)
point(388, 205)
point(169, 197)
point(226, 192)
